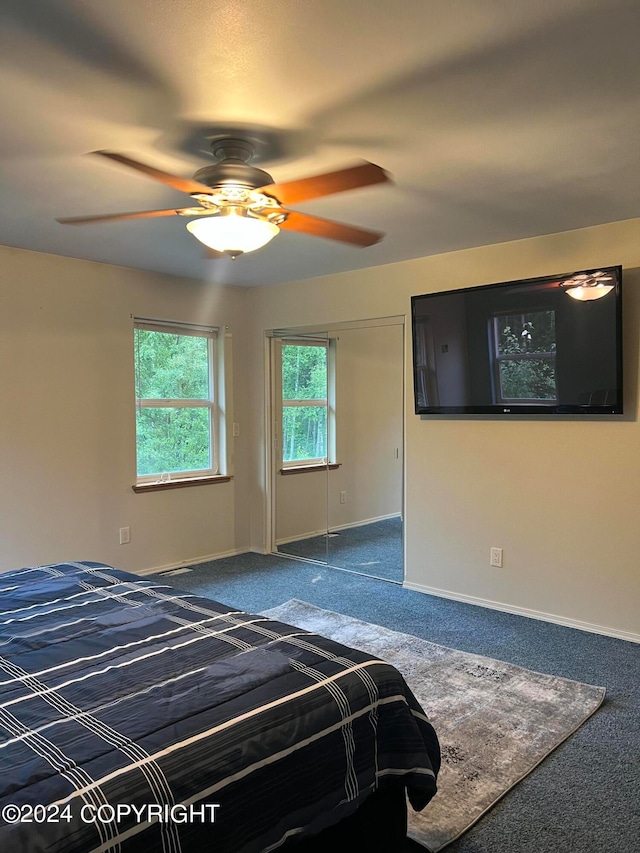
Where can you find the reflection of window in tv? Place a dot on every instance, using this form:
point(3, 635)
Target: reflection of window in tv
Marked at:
point(426, 383)
point(523, 346)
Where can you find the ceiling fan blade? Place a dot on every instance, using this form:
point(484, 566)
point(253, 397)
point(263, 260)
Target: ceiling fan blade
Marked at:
point(185, 185)
point(316, 227)
point(316, 186)
point(109, 217)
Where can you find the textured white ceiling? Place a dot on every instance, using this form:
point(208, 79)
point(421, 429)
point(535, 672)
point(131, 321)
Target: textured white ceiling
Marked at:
point(497, 120)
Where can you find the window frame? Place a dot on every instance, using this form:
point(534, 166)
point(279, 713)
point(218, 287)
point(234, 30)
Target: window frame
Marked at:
point(497, 358)
point(211, 402)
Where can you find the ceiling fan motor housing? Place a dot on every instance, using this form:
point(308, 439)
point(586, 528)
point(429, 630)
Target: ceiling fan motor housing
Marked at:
point(233, 172)
point(233, 168)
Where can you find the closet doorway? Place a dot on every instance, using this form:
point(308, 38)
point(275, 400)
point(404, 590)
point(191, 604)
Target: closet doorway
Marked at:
point(337, 440)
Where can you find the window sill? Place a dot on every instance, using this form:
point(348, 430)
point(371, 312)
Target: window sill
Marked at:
point(181, 484)
point(301, 469)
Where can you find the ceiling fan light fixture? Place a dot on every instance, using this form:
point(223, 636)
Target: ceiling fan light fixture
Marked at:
point(233, 232)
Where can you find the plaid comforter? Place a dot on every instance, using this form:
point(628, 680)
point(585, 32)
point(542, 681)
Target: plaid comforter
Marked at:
point(134, 716)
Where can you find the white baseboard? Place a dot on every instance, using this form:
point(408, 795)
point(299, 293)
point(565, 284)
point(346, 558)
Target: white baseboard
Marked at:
point(301, 536)
point(524, 611)
point(365, 522)
point(196, 561)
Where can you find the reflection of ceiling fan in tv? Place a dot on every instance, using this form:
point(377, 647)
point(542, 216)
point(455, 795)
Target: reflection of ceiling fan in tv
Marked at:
point(240, 206)
point(586, 287)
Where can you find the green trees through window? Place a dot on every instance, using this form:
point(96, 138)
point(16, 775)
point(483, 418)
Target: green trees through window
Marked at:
point(304, 402)
point(174, 392)
point(525, 356)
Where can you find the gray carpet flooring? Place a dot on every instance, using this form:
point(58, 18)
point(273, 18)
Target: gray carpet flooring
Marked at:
point(583, 798)
point(371, 549)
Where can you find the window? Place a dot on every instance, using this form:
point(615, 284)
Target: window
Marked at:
point(176, 407)
point(307, 419)
point(524, 357)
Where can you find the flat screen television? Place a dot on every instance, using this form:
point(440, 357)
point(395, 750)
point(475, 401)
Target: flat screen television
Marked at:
point(538, 346)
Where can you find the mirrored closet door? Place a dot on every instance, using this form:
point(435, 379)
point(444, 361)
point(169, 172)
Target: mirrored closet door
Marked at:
point(339, 392)
point(303, 441)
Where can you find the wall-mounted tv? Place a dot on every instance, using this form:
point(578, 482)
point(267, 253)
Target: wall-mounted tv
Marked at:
point(538, 346)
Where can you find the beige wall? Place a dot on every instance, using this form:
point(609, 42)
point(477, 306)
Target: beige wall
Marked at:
point(67, 429)
point(560, 497)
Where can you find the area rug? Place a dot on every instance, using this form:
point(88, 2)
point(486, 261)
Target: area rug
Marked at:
point(495, 721)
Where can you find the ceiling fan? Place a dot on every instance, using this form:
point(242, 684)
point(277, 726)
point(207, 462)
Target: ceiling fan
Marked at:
point(240, 206)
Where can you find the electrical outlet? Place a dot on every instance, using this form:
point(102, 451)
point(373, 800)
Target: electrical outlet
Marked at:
point(125, 535)
point(236, 430)
point(496, 558)
point(343, 497)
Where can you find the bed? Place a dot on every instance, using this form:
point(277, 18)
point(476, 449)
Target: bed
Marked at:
point(134, 716)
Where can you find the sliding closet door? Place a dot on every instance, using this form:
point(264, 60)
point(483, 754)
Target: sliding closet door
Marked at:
point(366, 490)
point(303, 442)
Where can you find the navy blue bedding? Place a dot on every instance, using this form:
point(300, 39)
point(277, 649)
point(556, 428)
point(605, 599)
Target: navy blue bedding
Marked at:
point(134, 716)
